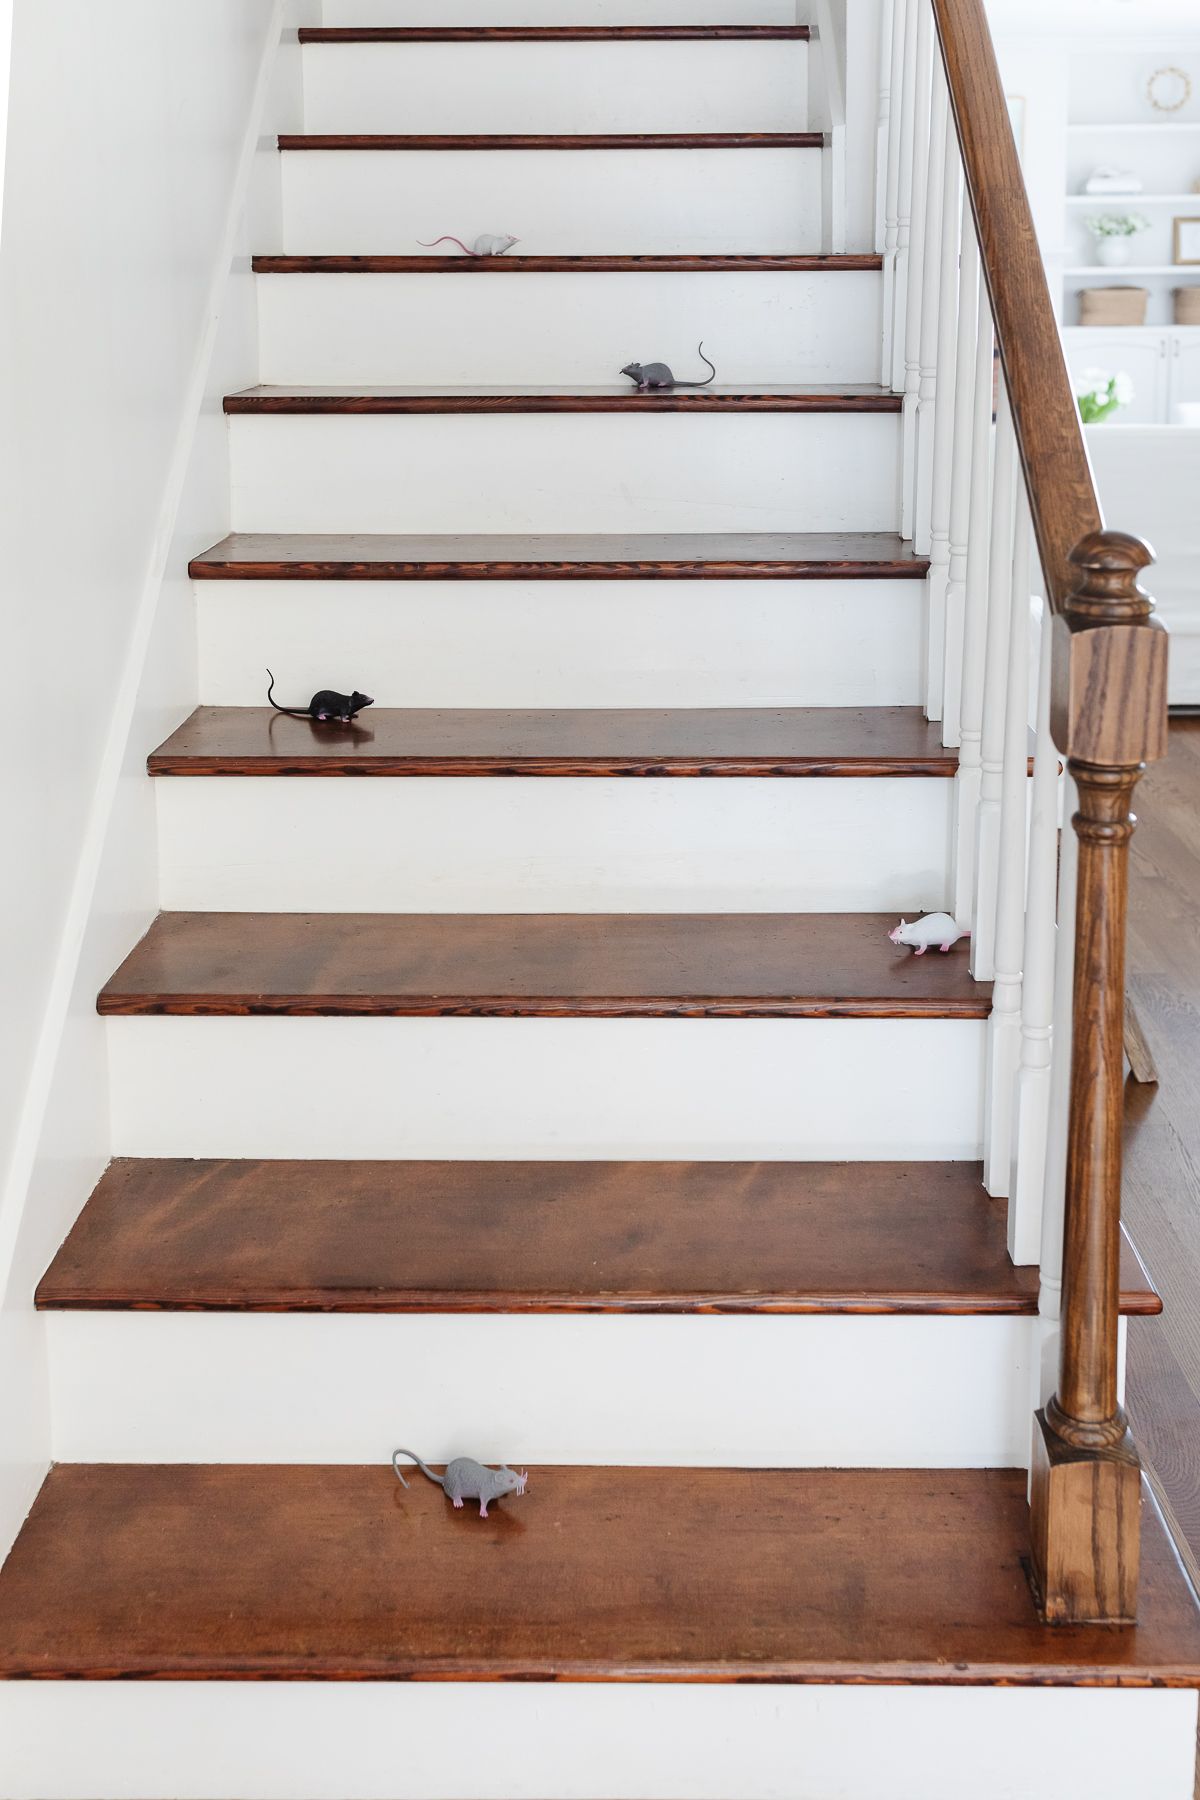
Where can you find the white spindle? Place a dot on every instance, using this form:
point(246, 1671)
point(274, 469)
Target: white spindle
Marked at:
point(995, 686)
point(942, 461)
point(891, 183)
point(1004, 1025)
point(975, 613)
point(1031, 1098)
point(960, 480)
point(931, 285)
point(1054, 1193)
point(916, 258)
point(904, 196)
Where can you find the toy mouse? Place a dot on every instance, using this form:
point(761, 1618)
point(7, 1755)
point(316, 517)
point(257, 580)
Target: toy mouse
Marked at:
point(934, 928)
point(465, 1479)
point(486, 244)
point(325, 708)
point(657, 375)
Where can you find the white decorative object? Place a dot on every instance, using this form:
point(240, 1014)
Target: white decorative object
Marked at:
point(1110, 180)
point(1114, 234)
point(1169, 89)
point(1114, 252)
point(934, 928)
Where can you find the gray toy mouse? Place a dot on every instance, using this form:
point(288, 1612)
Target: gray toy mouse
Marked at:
point(658, 375)
point(465, 1479)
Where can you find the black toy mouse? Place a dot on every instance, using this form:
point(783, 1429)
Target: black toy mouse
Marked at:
point(657, 375)
point(326, 708)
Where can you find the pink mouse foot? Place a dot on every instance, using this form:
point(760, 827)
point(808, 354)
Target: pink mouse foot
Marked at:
point(920, 950)
point(944, 948)
point(457, 1501)
point(483, 1509)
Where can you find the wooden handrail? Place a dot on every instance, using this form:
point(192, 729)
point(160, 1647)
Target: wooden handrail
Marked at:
point(1108, 714)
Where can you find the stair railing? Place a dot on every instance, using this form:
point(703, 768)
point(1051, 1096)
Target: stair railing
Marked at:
point(998, 492)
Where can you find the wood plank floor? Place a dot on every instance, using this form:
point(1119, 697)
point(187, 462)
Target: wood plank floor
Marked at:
point(641, 1237)
point(659, 556)
point(601, 741)
point(606, 1574)
point(562, 965)
point(611, 398)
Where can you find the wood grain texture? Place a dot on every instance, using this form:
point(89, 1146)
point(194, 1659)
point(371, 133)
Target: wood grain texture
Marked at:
point(530, 965)
point(616, 140)
point(547, 34)
point(845, 262)
point(1058, 477)
point(546, 1237)
point(784, 398)
point(222, 1572)
point(658, 556)
point(793, 741)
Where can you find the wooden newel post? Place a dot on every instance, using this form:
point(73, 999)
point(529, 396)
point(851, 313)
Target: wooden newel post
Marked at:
point(1110, 716)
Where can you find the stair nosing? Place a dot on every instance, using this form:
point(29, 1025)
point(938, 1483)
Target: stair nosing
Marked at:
point(843, 262)
point(501, 34)
point(362, 401)
point(553, 140)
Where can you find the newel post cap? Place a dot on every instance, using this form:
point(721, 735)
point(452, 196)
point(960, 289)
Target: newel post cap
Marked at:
point(1109, 681)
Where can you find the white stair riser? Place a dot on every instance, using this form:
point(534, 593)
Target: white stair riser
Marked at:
point(352, 13)
point(559, 644)
point(378, 1740)
point(864, 1089)
point(571, 87)
point(690, 1392)
point(515, 844)
point(468, 330)
point(558, 202)
point(573, 472)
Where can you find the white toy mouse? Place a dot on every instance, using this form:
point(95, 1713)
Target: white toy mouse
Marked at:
point(934, 928)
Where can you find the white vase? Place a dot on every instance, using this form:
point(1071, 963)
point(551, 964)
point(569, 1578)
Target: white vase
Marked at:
point(1114, 252)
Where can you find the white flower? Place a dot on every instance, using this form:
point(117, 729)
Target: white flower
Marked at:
point(1123, 388)
point(1093, 385)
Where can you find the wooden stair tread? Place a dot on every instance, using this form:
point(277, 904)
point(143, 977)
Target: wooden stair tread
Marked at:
point(709, 741)
point(555, 140)
point(566, 965)
point(597, 1574)
point(547, 1237)
point(345, 556)
point(534, 34)
point(841, 262)
point(785, 397)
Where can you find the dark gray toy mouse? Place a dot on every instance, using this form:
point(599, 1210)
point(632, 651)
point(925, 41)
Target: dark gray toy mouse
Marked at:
point(465, 1479)
point(658, 375)
point(326, 708)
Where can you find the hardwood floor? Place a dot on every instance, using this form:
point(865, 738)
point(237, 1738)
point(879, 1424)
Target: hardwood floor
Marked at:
point(1162, 1145)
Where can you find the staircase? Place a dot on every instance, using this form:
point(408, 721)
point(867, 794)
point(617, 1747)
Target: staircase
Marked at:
point(525, 1070)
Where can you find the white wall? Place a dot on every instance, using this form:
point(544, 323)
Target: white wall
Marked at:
point(132, 137)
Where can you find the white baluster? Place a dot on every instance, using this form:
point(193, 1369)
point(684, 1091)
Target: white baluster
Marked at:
point(942, 460)
point(904, 195)
point(891, 194)
point(1054, 1192)
point(960, 478)
point(916, 259)
point(975, 611)
point(1031, 1098)
point(1004, 1025)
point(995, 686)
point(931, 283)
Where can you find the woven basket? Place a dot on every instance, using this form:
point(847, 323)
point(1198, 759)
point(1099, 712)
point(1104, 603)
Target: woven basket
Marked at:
point(1187, 306)
point(1113, 306)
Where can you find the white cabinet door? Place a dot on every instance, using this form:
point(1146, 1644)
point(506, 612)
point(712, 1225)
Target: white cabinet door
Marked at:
point(1185, 377)
point(1140, 354)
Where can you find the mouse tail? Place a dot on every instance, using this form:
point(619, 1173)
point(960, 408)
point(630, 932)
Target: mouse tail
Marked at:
point(447, 239)
point(291, 711)
point(425, 1470)
point(709, 379)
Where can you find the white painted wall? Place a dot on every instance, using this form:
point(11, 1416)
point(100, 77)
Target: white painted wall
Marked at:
point(132, 136)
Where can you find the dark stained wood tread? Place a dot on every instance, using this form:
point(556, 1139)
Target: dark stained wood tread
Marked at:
point(784, 398)
point(538, 965)
point(846, 262)
point(727, 556)
point(615, 140)
point(336, 1573)
point(543, 34)
point(547, 1237)
point(712, 741)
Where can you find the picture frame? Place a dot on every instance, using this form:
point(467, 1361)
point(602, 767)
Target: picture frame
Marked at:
point(1187, 241)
